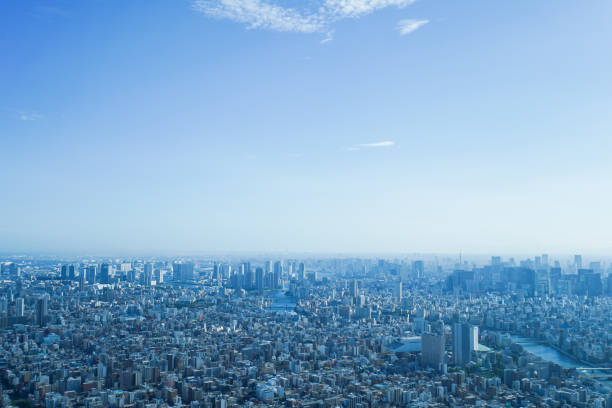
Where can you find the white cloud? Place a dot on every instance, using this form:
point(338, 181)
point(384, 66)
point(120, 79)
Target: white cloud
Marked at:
point(356, 8)
point(29, 116)
point(261, 14)
point(357, 147)
point(408, 26)
point(386, 143)
point(328, 37)
point(313, 16)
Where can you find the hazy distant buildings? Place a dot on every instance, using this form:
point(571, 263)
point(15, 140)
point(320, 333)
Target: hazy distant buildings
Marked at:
point(183, 271)
point(418, 269)
point(259, 280)
point(354, 288)
point(105, 273)
point(278, 272)
point(578, 261)
point(91, 274)
point(148, 274)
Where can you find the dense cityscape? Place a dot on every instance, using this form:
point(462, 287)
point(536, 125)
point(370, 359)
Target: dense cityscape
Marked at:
point(225, 332)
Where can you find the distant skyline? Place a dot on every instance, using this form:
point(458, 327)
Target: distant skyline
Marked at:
point(320, 126)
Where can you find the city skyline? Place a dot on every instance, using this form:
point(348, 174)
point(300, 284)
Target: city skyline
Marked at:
point(355, 127)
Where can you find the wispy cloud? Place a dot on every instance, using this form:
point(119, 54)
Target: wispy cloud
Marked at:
point(328, 37)
point(30, 116)
point(312, 16)
point(385, 143)
point(408, 26)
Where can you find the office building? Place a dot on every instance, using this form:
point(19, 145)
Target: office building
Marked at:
point(42, 311)
point(432, 349)
point(259, 280)
point(465, 341)
point(183, 271)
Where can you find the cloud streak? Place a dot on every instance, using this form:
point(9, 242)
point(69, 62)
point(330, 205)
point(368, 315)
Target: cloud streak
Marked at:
point(29, 116)
point(385, 143)
point(408, 26)
point(314, 16)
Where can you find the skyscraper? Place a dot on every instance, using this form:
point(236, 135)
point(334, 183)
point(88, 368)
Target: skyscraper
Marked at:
point(71, 272)
point(418, 268)
point(432, 349)
point(147, 270)
point(354, 288)
point(578, 261)
point(398, 291)
point(19, 307)
point(91, 274)
point(259, 280)
point(465, 340)
point(42, 311)
point(148, 274)
point(248, 275)
point(183, 271)
point(105, 273)
point(278, 272)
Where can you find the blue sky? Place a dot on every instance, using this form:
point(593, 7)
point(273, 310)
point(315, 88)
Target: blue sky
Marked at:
point(318, 125)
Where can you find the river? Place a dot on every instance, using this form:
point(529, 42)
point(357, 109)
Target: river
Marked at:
point(546, 352)
point(281, 302)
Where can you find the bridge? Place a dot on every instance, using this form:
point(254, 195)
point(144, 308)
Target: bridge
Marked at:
point(597, 373)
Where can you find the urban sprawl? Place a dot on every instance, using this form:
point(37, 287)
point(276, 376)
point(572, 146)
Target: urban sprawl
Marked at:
point(314, 332)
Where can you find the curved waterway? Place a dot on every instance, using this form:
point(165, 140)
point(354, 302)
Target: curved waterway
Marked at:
point(281, 302)
point(546, 352)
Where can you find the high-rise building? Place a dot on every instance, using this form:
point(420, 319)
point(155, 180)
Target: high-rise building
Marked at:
point(159, 276)
point(301, 271)
point(105, 273)
point(465, 340)
point(19, 307)
point(148, 268)
point(64, 272)
point(247, 274)
point(354, 288)
point(71, 272)
point(148, 274)
point(398, 291)
point(82, 280)
point(578, 261)
point(432, 349)
point(183, 271)
point(259, 280)
point(278, 272)
point(418, 268)
point(42, 311)
point(91, 274)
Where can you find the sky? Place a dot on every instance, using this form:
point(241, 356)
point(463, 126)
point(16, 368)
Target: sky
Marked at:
point(306, 125)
